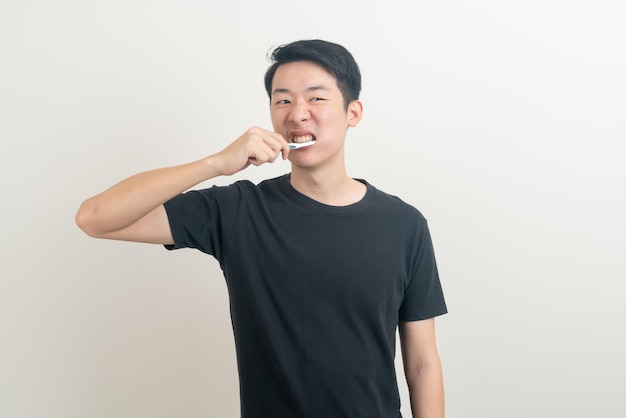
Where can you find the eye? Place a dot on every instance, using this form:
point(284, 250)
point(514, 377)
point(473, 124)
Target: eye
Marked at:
point(317, 99)
point(283, 101)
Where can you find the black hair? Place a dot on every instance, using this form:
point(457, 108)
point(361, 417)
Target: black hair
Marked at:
point(334, 58)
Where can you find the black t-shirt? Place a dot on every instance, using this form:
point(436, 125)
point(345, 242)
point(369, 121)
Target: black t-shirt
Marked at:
point(316, 292)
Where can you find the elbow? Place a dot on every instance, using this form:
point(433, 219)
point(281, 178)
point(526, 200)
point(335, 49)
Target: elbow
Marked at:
point(425, 369)
point(86, 221)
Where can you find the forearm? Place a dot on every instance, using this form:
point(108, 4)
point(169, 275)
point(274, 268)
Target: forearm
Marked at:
point(129, 200)
point(116, 212)
point(426, 390)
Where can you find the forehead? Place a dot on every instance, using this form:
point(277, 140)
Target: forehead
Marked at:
point(302, 75)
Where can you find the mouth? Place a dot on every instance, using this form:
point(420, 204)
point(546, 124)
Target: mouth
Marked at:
point(298, 139)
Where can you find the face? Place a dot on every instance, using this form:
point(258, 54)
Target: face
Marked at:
point(307, 104)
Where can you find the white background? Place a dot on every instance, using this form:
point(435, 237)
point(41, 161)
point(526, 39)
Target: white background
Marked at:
point(503, 122)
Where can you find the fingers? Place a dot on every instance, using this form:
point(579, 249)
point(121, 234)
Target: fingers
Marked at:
point(285, 150)
point(256, 146)
point(264, 146)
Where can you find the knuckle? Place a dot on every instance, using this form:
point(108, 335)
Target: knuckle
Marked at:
point(254, 130)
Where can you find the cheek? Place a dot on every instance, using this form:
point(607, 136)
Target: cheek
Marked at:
point(275, 120)
point(334, 114)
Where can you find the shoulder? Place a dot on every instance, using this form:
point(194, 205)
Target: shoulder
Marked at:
point(273, 183)
point(251, 194)
point(395, 206)
point(237, 188)
point(214, 196)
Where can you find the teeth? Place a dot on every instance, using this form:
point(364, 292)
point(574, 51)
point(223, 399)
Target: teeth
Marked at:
point(303, 138)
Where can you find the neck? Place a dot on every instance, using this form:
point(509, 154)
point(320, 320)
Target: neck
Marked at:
point(334, 188)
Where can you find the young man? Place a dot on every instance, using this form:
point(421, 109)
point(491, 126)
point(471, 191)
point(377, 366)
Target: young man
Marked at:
point(321, 268)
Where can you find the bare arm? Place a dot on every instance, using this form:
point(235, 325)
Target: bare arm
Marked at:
point(422, 368)
point(132, 210)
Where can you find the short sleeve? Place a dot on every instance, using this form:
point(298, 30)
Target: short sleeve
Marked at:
point(204, 219)
point(423, 296)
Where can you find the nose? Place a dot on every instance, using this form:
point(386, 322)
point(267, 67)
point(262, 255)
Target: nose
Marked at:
point(300, 112)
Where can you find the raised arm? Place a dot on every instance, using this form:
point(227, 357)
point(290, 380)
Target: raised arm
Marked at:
point(422, 368)
point(132, 210)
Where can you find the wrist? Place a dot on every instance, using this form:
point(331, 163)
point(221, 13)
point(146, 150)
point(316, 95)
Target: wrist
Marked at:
point(211, 167)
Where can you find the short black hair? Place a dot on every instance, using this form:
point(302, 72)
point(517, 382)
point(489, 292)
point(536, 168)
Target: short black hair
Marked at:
point(334, 58)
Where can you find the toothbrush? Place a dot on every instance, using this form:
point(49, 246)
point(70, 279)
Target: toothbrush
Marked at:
point(296, 145)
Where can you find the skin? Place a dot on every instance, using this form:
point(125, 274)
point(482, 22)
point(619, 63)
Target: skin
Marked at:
point(305, 100)
point(422, 368)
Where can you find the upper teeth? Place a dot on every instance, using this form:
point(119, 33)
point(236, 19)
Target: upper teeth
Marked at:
point(303, 138)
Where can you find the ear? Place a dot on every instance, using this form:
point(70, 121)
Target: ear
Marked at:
point(354, 113)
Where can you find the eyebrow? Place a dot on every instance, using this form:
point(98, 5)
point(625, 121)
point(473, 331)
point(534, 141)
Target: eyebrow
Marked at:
point(312, 88)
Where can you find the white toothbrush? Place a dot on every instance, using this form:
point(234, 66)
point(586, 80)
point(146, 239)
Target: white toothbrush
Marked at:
point(296, 145)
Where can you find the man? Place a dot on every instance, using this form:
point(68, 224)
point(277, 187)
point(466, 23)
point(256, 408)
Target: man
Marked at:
point(321, 268)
